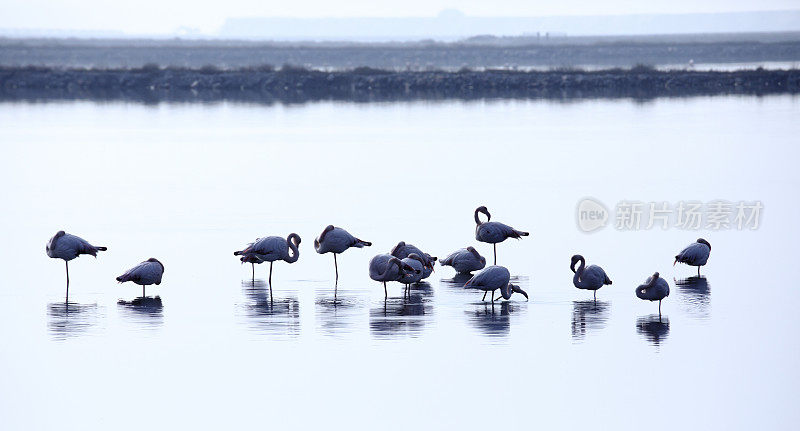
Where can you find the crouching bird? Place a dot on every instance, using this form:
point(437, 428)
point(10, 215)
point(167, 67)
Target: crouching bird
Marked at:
point(144, 274)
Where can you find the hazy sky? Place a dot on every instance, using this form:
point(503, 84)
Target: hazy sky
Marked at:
point(164, 16)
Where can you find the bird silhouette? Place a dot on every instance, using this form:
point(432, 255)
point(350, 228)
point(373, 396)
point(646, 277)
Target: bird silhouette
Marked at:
point(385, 267)
point(464, 260)
point(492, 278)
point(336, 240)
point(403, 250)
point(589, 278)
point(654, 288)
point(144, 274)
point(65, 246)
point(493, 232)
point(269, 249)
point(695, 254)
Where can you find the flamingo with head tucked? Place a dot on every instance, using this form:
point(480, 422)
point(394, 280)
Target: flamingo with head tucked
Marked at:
point(590, 278)
point(336, 240)
point(270, 249)
point(695, 254)
point(654, 288)
point(492, 231)
point(65, 246)
point(144, 274)
point(464, 260)
point(403, 250)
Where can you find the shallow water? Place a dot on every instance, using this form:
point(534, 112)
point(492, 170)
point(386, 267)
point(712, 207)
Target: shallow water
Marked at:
point(189, 184)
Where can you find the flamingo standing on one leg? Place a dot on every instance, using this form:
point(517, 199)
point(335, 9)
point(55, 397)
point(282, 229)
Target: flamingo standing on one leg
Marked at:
point(695, 254)
point(589, 278)
point(336, 240)
point(65, 246)
point(494, 232)
point(654, 288)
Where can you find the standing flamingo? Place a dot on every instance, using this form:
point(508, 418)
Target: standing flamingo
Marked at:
point(65, 246)
point(591, 278)
point(654, 288)
point(695, 254)
point(385, 267)
point(336, 240)
point(464, 260)
point(492, 278)
point(148, 272)
point(270, 249)
point(494, 232)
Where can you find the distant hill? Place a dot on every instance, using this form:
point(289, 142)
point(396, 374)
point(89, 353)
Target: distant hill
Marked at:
point(452, 24)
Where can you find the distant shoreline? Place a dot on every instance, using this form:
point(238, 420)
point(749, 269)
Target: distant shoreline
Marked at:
point(265, 84)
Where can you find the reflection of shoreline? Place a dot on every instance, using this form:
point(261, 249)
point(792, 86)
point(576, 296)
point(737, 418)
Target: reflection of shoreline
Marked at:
point(299, 85)
point(70, 319)
point(695, 295)
point(654, 328)
point(588, 316)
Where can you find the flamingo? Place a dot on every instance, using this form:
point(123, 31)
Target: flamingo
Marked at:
point(492, 278)
point(65, 246)
point(336, 240)
point(145, 273)
point(403, 250)
point(493, 232)
point(417, 263)
point(695, 254)
point(464, 260)
point(269, 249)
point(591, 278)
point(385, 267)
point(654, 288)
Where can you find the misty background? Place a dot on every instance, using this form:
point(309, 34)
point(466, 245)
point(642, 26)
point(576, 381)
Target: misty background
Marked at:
point(388, 21)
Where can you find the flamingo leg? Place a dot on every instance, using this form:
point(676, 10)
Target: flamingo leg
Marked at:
point(495, 253)
point(336, 266)
point(659, 309)
point(67, 265)
point(493, 297)
point(270, 282)
point(484, 295)
point(385, 292)
point(698, 271)
point(595, 296)
point(253, 265)
point(143, 291)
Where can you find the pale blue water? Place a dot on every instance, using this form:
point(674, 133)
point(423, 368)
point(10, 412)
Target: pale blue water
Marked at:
point(189, 184)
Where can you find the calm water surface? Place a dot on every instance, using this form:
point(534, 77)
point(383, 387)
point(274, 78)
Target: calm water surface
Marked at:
point(189, 184)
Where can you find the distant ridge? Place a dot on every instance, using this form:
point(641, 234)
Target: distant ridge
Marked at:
point(452, 24)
